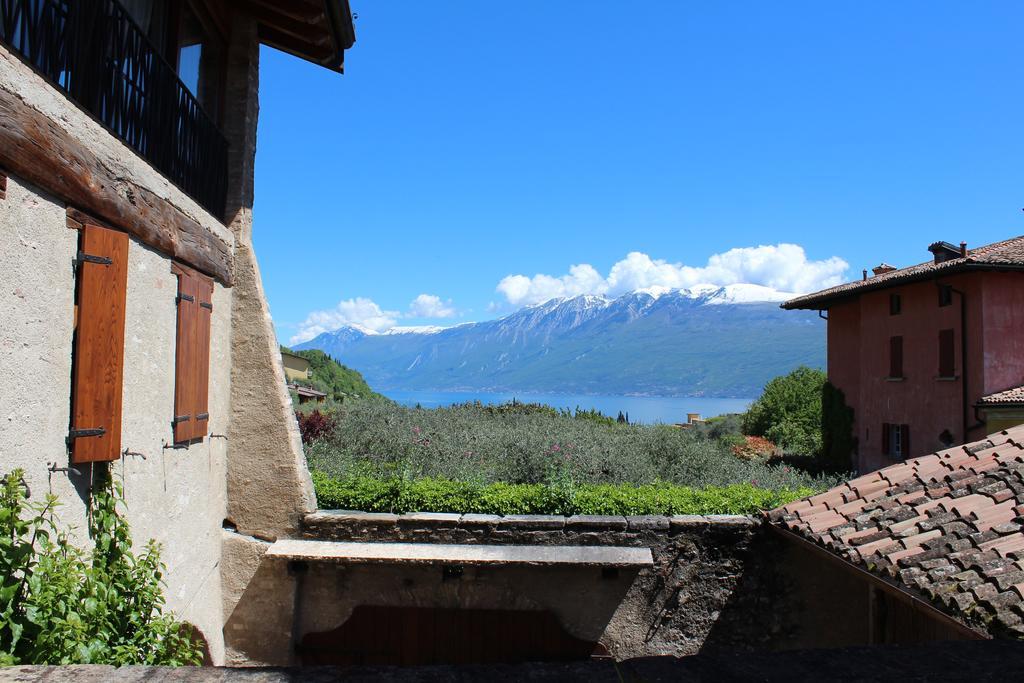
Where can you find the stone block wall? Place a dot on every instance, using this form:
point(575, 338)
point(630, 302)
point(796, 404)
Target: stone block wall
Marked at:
point(719, 583)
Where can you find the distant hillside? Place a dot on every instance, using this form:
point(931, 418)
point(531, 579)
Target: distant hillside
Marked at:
point(333, 378)
point(717, 342)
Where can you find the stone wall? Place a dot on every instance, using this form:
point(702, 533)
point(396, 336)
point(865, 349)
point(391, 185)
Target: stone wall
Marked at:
point(719, 583)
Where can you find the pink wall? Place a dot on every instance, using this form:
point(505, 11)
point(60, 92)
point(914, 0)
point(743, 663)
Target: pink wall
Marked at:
point(1003, 322)
point(858, 336)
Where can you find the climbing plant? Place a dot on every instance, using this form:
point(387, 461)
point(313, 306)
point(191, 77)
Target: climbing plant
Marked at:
point(61, 604)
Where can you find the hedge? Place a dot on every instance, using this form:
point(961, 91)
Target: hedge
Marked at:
point(398, 495)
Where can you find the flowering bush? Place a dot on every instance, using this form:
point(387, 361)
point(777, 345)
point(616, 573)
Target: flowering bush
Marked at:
point(315, 425)
point(752, 447)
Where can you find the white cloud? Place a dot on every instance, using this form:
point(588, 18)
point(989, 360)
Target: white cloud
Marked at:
point(783, 267)
point(359, 311)
point(430, 306)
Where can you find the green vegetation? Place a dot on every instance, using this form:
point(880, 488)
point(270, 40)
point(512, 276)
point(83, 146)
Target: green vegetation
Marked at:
point(62, 605)
point(837, 439)
point(525, 458)
point(334, 379)
point(373, 494)
point(789, 413)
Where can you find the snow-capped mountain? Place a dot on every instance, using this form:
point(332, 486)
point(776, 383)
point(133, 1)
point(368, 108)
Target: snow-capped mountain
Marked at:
point(706, 340)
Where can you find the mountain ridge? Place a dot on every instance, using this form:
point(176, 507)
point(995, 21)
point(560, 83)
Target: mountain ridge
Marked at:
point(706, 341)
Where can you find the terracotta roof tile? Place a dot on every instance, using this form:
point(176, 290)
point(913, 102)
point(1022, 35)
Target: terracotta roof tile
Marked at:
point(1006, 254)
point(1010, 396)
point(945, 526)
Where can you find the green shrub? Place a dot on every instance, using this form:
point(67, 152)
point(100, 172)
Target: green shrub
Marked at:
point(440, 495)
point(838, 441)
point(62, 605)
point(789, 412)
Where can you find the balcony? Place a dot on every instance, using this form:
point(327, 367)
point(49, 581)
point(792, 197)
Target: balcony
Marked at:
point(95, 53)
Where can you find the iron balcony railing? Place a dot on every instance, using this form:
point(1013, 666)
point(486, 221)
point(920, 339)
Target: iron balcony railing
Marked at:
point(99, 57)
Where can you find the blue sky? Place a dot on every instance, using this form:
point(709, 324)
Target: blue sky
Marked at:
point(470, 141)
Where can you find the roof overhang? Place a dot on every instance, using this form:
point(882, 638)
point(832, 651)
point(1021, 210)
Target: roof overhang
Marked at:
point(317, 31)
point(822, 300)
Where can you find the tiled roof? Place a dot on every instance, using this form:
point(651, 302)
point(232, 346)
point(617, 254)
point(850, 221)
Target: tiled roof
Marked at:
point(1010, 396)
point(946, 527)
point(1008, 253)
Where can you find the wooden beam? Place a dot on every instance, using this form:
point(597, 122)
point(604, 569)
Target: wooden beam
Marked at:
point(34, 147)
point(3, 185)
point(313, 31)
point(300, 48)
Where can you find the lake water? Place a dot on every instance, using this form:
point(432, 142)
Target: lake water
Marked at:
point(646, 409)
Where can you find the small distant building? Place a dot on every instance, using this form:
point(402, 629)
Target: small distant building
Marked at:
point(295, 367)
point(308, 394)
point(928, 356)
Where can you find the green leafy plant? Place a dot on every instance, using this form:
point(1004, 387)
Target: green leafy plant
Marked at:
point(837, 439)
point(788, 413)
point(60, 604)
point(373, 494)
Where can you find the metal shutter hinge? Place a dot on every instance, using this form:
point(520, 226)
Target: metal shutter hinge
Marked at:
point(202, 416)
point(206, 304)
point(181, 418)
point(185, 297)
point(82, 433)
point(90, 258)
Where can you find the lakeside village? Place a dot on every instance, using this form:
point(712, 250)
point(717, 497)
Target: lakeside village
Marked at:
point(164, 506)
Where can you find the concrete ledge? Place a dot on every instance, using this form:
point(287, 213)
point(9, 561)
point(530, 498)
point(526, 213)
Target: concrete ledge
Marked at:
point(437, 553)
point(323, 521)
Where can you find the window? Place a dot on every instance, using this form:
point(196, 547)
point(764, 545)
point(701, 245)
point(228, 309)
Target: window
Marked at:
point(895, 304)
point(895, 357)
point(101, 271)
point(945, 295)
point(192, 358)
point(947, 357)
point(200, 56)
point(896, 441)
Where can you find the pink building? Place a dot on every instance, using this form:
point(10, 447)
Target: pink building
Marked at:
point(931, 355)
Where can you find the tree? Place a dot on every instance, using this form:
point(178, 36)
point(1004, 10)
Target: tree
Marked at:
point(789, 412)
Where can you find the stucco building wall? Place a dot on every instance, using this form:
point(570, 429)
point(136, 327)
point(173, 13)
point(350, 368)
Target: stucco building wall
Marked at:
point(858, 359)
point(174, 496)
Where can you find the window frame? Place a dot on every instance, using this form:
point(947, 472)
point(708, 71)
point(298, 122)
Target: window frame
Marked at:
point(947, 354)
point(895, 304)
point(896, 357)
point(945, 295)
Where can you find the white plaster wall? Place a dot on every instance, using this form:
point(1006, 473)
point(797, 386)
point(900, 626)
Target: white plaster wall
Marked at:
point(36, 325)
point(174, 495)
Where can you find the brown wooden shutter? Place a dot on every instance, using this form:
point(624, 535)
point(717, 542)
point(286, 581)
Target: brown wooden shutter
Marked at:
point(885, 438)
point(98, 364)
point(947, 358)
point(895, 356)
point(905, 441)
point(192, 355)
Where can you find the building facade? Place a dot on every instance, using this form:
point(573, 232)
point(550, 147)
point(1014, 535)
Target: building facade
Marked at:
point(134, 335)
point(918, 352)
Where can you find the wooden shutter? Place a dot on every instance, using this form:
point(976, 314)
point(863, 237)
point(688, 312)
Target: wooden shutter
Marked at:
point(947, 359)
point(98, 363)
point(895, 356)
point(905, 441)
point(886, 435)
point(192, 355)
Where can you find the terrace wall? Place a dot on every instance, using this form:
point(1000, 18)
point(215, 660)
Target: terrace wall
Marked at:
point(719, 583)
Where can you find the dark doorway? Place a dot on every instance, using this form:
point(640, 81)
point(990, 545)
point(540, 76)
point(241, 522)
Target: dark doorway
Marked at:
point(423, 635)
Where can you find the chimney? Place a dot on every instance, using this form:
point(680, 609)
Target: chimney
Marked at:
point(883, 268)
point(963, 250)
